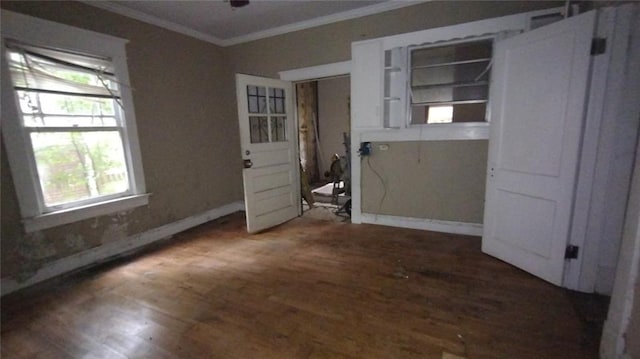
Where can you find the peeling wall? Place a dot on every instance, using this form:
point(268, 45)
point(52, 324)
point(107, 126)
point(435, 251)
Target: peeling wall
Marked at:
point(188, 137)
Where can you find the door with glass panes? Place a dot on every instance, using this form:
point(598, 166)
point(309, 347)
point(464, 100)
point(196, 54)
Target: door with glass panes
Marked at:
point(267, 138)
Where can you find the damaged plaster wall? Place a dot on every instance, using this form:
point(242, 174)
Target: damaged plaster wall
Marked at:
point(188, 136)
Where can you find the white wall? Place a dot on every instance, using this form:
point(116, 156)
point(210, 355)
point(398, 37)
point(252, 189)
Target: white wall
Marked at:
point(620, 332)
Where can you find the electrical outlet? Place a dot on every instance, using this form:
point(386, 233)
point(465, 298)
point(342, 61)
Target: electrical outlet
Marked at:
point(365, 149)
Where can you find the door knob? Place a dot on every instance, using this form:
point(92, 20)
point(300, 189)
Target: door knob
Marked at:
point(248, 163)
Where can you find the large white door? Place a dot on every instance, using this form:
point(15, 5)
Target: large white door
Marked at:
point(539, 93)
point(267, 138)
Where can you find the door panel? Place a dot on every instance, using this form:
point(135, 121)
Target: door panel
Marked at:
point(538, 101)
point(271, 186)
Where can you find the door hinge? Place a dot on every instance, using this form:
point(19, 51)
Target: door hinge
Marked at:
point(598, 46)
point(571, 252)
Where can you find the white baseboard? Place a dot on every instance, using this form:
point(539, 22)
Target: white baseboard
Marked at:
point(471, 229)
point(97, 254)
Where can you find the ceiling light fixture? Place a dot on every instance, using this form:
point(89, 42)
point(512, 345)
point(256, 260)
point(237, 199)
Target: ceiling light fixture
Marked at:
point(238, 3)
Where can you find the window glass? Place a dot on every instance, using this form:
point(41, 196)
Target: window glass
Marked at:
point(71, 111)
point(75, 166)
point(259, 129)
point(272, 127)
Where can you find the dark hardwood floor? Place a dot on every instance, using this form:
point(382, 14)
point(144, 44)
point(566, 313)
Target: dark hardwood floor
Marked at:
point(306, 289)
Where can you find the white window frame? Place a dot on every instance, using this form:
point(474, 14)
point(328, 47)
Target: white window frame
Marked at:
point(38, 32)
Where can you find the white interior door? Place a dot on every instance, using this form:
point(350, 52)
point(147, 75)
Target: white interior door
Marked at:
point(539, 92)
point(268, 141)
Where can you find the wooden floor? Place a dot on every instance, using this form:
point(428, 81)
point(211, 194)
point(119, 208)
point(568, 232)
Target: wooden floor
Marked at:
point(307, 289)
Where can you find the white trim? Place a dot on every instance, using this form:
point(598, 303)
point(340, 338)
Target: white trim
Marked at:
point(75, 214)
point(113, 249)
point(590, 200)
point(606, 161)
point(434, 132)
point(153, 20)
point(469, 229)
point(518, 22)
point(39, 32)
point(320, 21)
point(316, 72)
point(302, 25)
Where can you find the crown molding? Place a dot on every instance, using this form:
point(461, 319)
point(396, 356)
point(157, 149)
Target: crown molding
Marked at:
point(324, 20)
point(153, 20)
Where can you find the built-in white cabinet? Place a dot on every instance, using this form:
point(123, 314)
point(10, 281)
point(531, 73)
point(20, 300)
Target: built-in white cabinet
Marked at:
point(397, 81)
point(395, 88)
point(367, 76)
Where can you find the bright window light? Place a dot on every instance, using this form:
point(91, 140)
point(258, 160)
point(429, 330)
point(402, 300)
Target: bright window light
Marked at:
point(440, 114)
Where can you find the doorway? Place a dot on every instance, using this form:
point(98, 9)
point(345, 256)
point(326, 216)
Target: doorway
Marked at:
point(323, 114)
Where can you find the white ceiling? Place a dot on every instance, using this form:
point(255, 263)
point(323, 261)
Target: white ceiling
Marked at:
point(215, 21)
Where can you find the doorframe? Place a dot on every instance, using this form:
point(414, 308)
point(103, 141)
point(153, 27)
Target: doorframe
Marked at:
point(600, 142)
point(306, 74)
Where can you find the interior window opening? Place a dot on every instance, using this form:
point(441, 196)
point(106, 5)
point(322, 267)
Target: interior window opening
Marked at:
point(450, 83)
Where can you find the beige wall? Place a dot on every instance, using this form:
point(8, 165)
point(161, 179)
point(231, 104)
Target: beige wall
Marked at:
point(443, 180)
point(332, 43)
point(187, 129)
point(333, 117)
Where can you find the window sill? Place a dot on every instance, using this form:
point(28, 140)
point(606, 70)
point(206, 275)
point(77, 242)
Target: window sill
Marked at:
point(430, 132)
point(67, 216)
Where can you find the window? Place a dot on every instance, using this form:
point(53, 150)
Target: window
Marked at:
point(71, 136)
point(450, 83)
point(266, 124)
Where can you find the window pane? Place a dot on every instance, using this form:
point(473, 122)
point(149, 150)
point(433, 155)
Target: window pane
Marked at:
point(38, 73)
point(74, 166)
point(53, 104)
point(276, 100)
point(257, 99)
point(67, 121)
point(474, 112)
point(258, 129)
point(278, 129)
point(436, 94)
point(440, 114)
point(450, 74)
